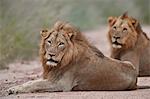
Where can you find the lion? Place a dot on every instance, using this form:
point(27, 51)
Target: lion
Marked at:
point(129, 43)
point(71, 63)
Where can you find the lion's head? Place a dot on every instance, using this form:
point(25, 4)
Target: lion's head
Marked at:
point(59, 44)
point(122, 31)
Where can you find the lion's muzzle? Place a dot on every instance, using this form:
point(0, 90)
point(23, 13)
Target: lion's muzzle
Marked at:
point(116, 42)
point(51, 62)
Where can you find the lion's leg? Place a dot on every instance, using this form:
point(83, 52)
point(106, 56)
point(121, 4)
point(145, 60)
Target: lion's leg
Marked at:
point(33, 86)
point(126, 71)
point(130, 69)
point(133, 58)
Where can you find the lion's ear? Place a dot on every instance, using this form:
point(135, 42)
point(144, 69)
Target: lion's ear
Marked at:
point(134, 22)
point(111, 20)
point(70, 35)
point(70, 30)
point(44, 33)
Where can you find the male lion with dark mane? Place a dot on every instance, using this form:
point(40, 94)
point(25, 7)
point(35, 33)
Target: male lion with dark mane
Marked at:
point(70, 62)
point(129, 43)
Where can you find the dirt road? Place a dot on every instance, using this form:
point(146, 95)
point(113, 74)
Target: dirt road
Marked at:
point(21, 72)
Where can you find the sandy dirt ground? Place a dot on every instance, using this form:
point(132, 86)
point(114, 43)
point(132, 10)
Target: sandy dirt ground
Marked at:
point(21, 72)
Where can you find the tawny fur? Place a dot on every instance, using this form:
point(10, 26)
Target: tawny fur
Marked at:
point(82, 66)
point(136, 44)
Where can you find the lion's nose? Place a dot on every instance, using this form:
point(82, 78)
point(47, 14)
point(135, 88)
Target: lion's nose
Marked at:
point(51, 55)
point(116, 37)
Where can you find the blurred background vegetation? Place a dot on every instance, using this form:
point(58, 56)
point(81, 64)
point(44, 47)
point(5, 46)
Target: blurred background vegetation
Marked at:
point(21, 21)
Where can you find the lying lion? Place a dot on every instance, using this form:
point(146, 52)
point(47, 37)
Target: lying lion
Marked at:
point(129, 43)
point(70, 62)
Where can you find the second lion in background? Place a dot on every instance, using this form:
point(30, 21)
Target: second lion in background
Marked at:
point(129, 43)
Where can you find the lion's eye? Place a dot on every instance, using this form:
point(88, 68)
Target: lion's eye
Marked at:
point(114, 27)
point(49, 42)
point(124, 29)
point(61, 43)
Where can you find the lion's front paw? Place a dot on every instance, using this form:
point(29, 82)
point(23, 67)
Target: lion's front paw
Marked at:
point(14, 90)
